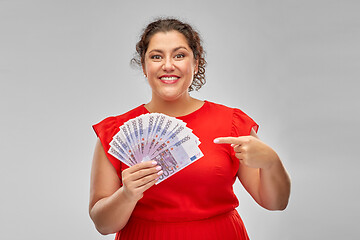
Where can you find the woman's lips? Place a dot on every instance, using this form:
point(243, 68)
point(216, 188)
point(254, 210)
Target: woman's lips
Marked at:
point(169, 79)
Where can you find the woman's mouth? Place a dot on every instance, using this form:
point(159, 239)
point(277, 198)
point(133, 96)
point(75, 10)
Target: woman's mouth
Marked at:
point(169, 79)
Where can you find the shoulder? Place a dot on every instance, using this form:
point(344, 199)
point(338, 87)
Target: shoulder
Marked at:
point(220, 108)
point(112, 123)
point(119, 119)
point(241, 122)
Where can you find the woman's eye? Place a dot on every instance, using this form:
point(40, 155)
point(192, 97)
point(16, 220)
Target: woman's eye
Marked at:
point(180, 55)
point(156, 57)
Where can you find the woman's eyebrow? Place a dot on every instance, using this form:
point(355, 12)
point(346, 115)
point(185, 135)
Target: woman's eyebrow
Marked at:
point(181, 47)
point(156, 50)
point(174, 50)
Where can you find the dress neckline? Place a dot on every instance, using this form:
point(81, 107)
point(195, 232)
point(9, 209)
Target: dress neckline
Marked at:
point(187, 115)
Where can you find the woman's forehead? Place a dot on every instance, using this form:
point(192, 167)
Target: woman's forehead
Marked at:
point(168, 41)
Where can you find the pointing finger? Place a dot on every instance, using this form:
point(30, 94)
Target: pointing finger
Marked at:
point(228, 140)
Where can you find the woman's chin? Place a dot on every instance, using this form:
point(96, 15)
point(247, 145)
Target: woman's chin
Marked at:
point(171, 96)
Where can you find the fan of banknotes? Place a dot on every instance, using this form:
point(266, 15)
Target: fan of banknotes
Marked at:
point(158, 137)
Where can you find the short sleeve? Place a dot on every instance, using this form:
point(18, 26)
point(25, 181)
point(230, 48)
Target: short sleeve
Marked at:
point(242, 124)
point(105, 130)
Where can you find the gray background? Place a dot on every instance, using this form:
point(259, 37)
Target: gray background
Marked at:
point(291, 65)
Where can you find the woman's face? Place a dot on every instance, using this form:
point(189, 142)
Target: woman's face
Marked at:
point(169, 65)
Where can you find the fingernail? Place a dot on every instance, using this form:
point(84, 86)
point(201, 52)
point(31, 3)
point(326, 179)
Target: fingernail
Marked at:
point(216, 140)
point(161, 172)
point(154, 162)
point(158, 167)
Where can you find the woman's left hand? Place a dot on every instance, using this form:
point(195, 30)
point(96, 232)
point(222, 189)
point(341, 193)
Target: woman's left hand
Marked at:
point(251, 151)
point(263, 174)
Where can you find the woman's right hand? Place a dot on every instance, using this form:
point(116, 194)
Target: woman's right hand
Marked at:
point(140, 177)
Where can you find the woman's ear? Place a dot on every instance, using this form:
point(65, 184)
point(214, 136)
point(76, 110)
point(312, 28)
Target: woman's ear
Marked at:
point(196, 69)
point(144, 70)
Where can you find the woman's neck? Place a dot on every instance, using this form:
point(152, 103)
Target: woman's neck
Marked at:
point(177, 108)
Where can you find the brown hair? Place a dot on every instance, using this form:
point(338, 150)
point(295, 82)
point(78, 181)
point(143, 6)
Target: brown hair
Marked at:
point(192, 37)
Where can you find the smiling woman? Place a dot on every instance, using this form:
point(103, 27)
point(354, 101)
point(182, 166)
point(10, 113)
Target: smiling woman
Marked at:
point(197, 202)
point(192, 39)
point(169, 65)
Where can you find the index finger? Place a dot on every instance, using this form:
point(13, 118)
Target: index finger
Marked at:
point(142, 165)
point(228, 140)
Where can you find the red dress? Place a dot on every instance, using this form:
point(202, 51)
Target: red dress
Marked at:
point(198, 202)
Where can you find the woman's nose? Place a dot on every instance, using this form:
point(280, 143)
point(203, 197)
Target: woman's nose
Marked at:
point(168, 65)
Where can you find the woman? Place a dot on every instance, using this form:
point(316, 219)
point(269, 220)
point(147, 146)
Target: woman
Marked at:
point(198, 202)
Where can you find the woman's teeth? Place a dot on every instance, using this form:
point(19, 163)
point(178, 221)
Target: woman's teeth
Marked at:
point(169, 78)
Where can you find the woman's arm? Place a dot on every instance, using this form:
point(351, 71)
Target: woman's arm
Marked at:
point(111, 204)
point(261, 171)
